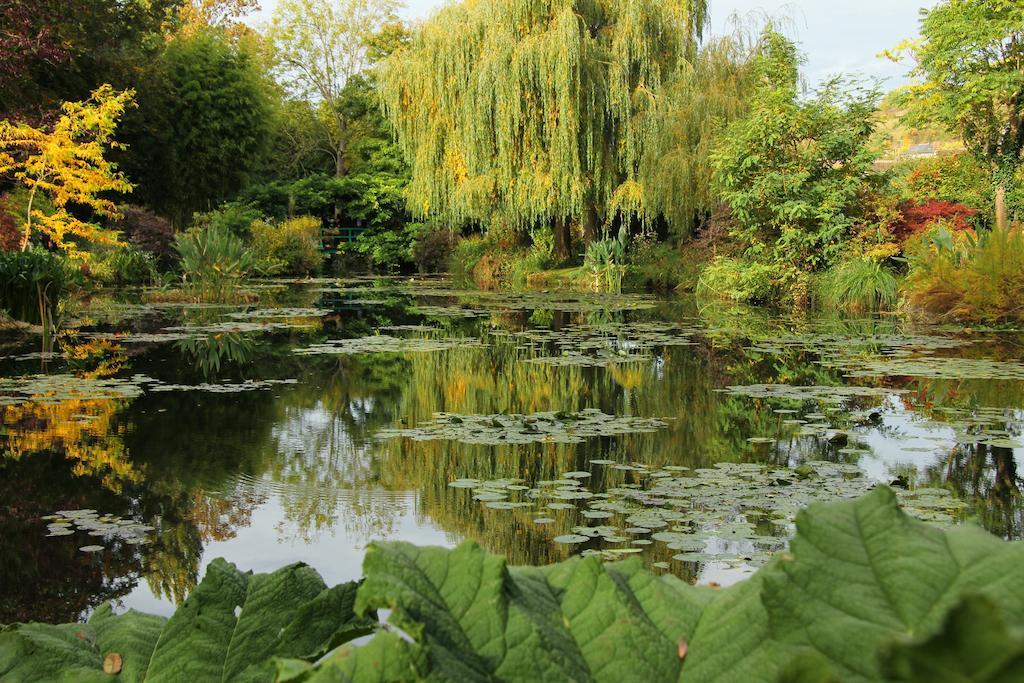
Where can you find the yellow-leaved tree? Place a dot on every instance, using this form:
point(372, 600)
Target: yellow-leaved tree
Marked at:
point(67, 162)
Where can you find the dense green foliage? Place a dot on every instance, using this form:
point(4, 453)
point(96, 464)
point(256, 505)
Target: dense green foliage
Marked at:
point(201, 126)
point(560, 92)
point(865, 592)
point(970, 79)
point(548, 127)
point(32, 284)
point(793, 172)
point(230, 628)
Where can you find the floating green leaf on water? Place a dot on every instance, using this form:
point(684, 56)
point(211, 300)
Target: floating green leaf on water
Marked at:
point(549, 427)
point(570, 539)
point(383, 343)
point(123, 529)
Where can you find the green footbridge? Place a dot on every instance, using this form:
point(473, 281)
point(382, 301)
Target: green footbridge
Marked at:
point(331, 238)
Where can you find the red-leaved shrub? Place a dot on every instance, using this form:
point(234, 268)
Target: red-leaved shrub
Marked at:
point(919, 216)
point(149, 232)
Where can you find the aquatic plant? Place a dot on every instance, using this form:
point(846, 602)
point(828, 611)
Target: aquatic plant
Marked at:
point(548, 427)
point(865, 593)
point(214, 263)
point(33, 284)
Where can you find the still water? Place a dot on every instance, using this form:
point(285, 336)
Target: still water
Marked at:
point(332, 414)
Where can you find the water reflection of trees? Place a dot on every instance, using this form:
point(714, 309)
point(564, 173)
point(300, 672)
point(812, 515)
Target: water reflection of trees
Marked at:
point(196, 466)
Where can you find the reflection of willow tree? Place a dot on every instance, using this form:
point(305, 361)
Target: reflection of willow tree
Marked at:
point(988, 478)
point(705, 427)
point(193, 461)
point(985, 476)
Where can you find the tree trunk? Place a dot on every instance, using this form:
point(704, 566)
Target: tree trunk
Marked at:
point(1002, 219)
point(590, 225)
point(339, 161)
point(27, 236)
point(563, 239)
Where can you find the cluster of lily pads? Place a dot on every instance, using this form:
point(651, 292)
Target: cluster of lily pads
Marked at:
point(545, 427)
point(263, 313)
point(383, 343)
point(54, 389)
point(60, 388)
point(601, 345)
point(108, 527)
point(734, 514)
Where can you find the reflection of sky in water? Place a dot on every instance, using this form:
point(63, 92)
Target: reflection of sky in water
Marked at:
point(907, 440)
point(336, 554)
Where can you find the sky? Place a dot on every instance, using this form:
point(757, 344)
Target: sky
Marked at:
point(838, 36)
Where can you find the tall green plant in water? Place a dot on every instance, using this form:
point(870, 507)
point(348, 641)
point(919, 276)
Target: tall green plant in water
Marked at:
point(32, 285)
point(214, 263)
point(604, 264)
point(534, 109)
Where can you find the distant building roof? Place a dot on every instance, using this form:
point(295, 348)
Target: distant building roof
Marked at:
point(925, 150)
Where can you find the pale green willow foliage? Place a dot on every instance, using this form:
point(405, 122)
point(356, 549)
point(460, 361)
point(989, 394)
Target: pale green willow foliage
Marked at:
point(676, 175)
point(533, 110)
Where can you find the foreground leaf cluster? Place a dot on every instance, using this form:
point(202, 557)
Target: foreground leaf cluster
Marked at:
point(866, 593)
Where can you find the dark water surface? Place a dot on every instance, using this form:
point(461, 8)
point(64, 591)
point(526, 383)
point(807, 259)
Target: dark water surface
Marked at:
point(162, 437)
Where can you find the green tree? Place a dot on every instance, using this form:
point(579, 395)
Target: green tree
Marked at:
point(202, 126)
point(970, 72)
point(528, 113)
point(676, 175)
point(792, 169)
point(320, 46)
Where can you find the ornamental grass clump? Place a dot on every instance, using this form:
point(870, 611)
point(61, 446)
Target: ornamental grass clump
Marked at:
point(857, 286)
point(968, 276)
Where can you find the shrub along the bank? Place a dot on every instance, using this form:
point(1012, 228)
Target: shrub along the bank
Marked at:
point(968, 276)
point(865, 593)
point(289, 248)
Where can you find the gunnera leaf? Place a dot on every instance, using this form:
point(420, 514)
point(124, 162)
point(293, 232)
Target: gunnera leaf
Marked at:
point(473, 618)
point(859, 574)
point(229, 628)
point(975, 644)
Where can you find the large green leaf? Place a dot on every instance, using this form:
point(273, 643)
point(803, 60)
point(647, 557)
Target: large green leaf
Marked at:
point(859, 575)
point(865, 593)
point(475, 619)
point(228, 629)
point(975, 644)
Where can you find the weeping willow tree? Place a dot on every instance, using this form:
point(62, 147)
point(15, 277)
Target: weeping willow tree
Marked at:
point(676, 177)
point(531, 112)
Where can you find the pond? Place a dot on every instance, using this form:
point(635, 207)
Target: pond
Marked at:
point(155, 438)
